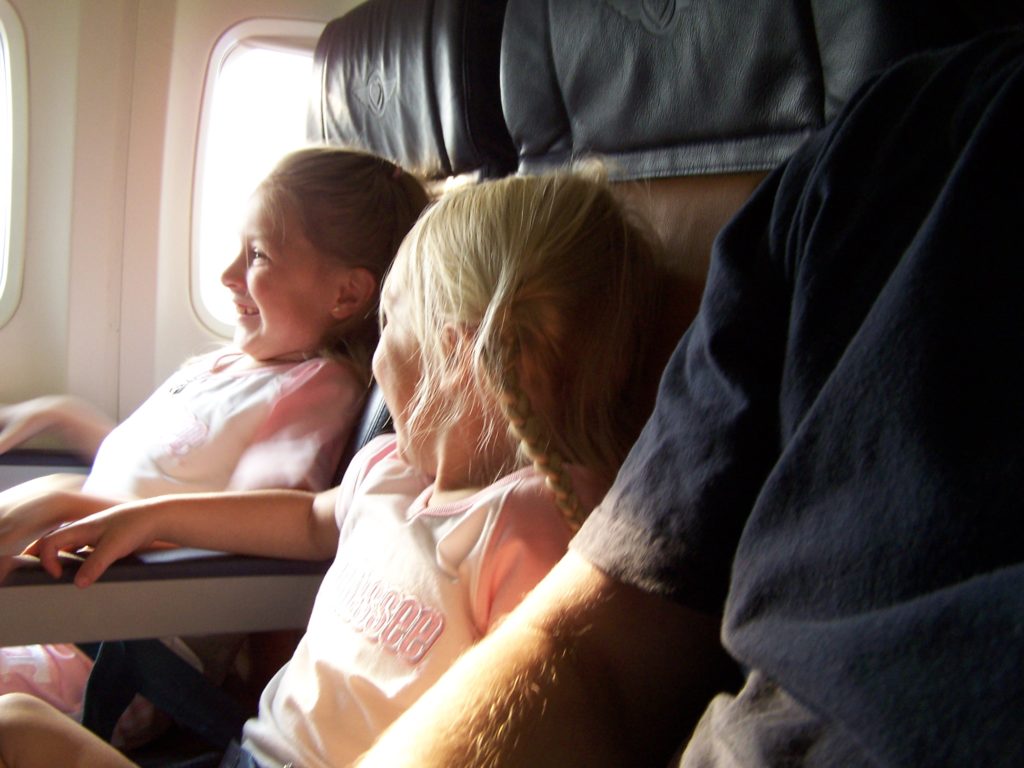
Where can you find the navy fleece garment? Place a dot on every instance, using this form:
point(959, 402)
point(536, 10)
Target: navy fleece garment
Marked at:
point(836, 459)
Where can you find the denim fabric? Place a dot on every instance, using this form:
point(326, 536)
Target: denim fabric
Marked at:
point(148, 667)
point(238, 757)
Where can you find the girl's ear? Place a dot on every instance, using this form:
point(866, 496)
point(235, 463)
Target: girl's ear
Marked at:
point(456, 337)
point(357, 288)
point(457, 343)
point(450, 338)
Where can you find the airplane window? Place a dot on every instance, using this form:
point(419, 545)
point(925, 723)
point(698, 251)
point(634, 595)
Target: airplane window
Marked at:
point(6, 150)
point(254, 111)
point(13, 120)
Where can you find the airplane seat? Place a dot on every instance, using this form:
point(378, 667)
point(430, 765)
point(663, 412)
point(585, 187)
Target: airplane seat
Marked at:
point(690, 105)
point(416, 84)
point(373, 421)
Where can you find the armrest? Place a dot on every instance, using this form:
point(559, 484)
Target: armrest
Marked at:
point(158, 594)
point(21, 464)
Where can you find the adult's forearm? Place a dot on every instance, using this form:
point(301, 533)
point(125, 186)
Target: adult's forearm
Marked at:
point(517, 698)
point(585, 672)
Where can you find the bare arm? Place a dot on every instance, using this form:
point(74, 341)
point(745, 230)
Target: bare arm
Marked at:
point(585, 672)
point(37, 506)
point(271, 523)
point(32, 508)
point(80, 425)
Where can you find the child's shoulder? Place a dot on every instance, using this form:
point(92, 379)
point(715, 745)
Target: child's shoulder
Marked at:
point(380, 449)
point(322, 373)
point(530, 511)
point(323, 366)
point(589, 486)
point(379, 462)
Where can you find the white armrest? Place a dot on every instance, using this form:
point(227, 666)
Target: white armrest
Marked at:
point(159, 594)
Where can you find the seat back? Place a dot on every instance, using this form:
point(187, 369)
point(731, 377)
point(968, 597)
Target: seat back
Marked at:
point(416, 83)
point(374, 420)
point(690, 105)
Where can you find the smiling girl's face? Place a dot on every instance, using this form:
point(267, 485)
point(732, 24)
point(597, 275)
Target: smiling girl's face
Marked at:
point(285, 290)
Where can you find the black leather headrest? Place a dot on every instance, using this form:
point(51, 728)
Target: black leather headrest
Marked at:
point(677, 87)
point(416, 82)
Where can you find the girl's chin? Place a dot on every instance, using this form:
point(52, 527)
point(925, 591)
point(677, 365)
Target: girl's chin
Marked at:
point(245, 347)
point(250, 346)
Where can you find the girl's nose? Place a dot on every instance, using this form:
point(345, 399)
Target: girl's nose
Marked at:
point(234, 276)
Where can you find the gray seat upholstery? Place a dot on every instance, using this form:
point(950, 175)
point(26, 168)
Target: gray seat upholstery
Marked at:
point(674, 87)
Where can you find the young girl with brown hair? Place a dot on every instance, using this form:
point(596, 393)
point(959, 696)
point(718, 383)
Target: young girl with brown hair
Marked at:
point(274, 409)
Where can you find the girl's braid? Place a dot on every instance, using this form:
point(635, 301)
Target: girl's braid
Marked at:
point(527, 428)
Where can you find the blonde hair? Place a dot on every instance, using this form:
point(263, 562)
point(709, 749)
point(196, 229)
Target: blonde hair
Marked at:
point(353, 207)
point(557, 286)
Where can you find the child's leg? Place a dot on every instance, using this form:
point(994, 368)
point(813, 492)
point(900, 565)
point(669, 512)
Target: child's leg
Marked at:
point(32, 733)
point(57, 674)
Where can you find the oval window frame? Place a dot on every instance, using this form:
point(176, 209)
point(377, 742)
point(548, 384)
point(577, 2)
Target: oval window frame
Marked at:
point(13, 166)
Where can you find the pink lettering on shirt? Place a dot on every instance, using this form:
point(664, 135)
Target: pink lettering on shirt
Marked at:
point(401, 624)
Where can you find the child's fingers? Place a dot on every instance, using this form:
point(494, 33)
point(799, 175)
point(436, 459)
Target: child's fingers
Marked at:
point(11, 435)
point(97, 562)
point(109, 538)
point(11, 563)
point(47, 551)
point(67, 539)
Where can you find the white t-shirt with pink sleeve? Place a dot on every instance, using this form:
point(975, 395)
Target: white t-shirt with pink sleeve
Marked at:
point(209, 427)
point(213, 426)
point(410, 589)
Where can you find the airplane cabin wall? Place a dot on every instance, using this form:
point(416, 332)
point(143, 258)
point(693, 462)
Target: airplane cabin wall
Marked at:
point(115, 88)
point(33, 343)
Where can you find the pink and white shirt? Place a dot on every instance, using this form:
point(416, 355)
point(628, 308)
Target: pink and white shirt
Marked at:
point(410, 589)
point(211, 427)
point(207, 428)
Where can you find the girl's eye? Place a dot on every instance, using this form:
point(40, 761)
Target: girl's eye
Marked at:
point(254, 255)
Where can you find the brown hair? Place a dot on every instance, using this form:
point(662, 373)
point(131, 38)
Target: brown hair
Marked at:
point(353, 207)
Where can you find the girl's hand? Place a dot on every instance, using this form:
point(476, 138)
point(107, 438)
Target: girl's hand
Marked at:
point(113, 534)
point(10, 563)
point(32, 508)
point(80, 425)
point(23, 421)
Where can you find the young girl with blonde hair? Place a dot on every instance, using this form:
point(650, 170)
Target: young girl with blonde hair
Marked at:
point(273, 409)
point(512, 323)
